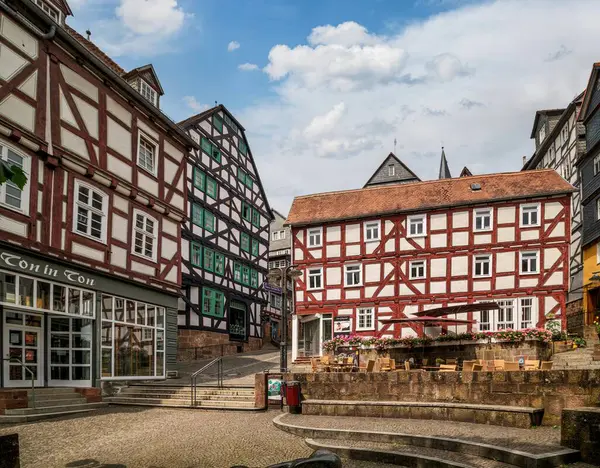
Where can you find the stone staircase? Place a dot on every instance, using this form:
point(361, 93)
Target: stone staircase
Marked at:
point(180, 396)
point(50, 403)
point(581, 358)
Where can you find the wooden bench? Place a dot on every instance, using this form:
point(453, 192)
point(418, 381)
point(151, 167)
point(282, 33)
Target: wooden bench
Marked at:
point(509, 416)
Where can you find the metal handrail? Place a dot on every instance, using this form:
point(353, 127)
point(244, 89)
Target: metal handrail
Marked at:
point(194, 377)
point(9, 359)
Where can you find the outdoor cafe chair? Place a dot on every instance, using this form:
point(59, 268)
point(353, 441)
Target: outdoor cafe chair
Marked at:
point(406, 365)
point(370, 366)
point(384, 364)
point(477, 367)
point(532, 365)
point(468, 366)
point(546, 365)
point(447, 367)
point(499, 364)
point(511, 366)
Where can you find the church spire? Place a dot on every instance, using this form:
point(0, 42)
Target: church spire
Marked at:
point(444, 169)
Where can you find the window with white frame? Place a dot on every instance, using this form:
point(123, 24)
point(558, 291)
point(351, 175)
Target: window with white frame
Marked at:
point(416, 226)
point(417, 269)
point(365, 319)
point(596, 164)
point(144, 235)
point(530, 215)
point(482, 265)
point(147, 154)
point(315, 237)
point(49, 10)
point(527, 312)
point(483, 219)
point(391, 170)
point(353, 275)
point(512, 313)
point(598, 208)
point(148, 92)
point(278, 235)
point(11, 195)
point(485, 320)
point(91, 210)
point(529, 262)
point(372, 231)
point(506, 316)
point(598, 253)
point(315, 278)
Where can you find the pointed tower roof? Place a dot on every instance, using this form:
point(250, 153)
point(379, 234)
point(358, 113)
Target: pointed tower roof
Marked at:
point(465, 172)
point(444, 169)
point(392, 171)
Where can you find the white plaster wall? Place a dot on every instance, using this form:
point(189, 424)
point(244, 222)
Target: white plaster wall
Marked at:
point(334, 276)
point(530, 234)
point(438, 267)
point(460, 266)
point(19, 37)
point(79, 83)
point(506, 214)
point(352, 294)
point(483, 239)
point(88, 252)
point(405, 246)
point(460, 219)
point(505, 262)
point(333, 294)
point(118, 138)
point(437, 221)
point(352, 250)
point(118, 256)
point(405, 290)
point(333, 251)
point(437, 287)
point(119, 228)
point(372, 272)
point(333, 234)
point(528, 282)
point(550, 256)
point(147, 183)
point(298, 254)
point(506, 234)
point(438, 240)
point(559, 230)
point(89, 115)
point(555, 279)
point(386, 291)
point(458, 286)
point(120, 112)
point(552, 209)
point(12, 226)
point(460, 238)
point(482, 285)
point(352, 232)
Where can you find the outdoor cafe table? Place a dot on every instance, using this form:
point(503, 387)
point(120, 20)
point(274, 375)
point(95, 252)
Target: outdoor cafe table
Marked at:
point(336, 367)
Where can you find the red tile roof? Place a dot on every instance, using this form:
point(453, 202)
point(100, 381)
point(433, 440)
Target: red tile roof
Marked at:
point(422, 196)
point(94, 49)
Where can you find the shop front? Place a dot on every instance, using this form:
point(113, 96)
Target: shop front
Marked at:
point(64, 326)
point(309, 332)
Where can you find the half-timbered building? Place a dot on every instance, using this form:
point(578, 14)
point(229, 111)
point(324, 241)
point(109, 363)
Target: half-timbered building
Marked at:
point(559, 144)
point(388, 252)
point(90, 248)
point(225, 243)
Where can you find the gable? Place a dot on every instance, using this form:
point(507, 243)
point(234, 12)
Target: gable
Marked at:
point(62, 5)
point(392, 171)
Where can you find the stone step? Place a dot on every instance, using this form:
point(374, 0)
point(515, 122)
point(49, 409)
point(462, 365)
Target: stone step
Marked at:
point(52, 391)
point(53, 409)
point(167, 396)
point(56, 397)
point(23, 418)
point(170, 402)
point(62, 402)
point(199, 391)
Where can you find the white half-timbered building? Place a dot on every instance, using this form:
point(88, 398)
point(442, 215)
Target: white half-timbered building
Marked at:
point(225, 243)
point(391, 251)
point(90, 248)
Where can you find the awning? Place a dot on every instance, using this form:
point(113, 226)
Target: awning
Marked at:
point(429, 320)
point(459, 309)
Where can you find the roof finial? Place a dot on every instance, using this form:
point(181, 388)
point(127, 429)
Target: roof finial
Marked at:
point(89, 34)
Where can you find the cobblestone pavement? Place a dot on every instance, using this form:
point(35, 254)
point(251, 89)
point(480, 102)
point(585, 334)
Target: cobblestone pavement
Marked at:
point(119, 437)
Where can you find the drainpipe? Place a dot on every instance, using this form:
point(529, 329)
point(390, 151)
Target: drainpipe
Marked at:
point(48, 36)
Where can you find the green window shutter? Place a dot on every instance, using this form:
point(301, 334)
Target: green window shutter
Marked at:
point(241, 175)
point(237, 272)
point(249, 182)
point(254, 278)
point(255, 217)
point(243, 147)
point(245, 242)
point(245, 275)
point(254, 247)
point(207, 301)
point(219, 263)
point(196, 214)
point(209, 259)
point(209, 221)
point(211, 187)
point(219, 304)
point(199, 179)
point(246, 211)
point(215, 154)
point(206, 145)
point(218, 122)
point(196, 254)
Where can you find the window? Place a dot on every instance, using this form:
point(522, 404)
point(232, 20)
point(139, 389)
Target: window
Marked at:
point(482, 265)
point(245, 242)
point(505, 315)
point(542, 133)
point(529, 262)
point(366, 319)
point(241, 175)
point(211, 149)
point(391, 170)
point(276, 301)
point(245, 275)
point(372, 231)
point(199, 179)
point(50, 11)
point(144, 235)
point(212, 302)
point(237, 272)
point(218, 122)
point(530, 215)
point(278, 235)
point(483, 219)
point(527, 316)
point(565, 134)
point(255, 217)
point(196, 254)
point(211, 187)
point(219, 263)
point(598, 208)
point(209, 221)
point(11, 195)
point(243, 147)
point(417, 269)
point(197, 214)
point(149, 93)
point(596, 164)
point(249, 182)
point(246, 211)
point(253, 278)
point(416, 226)
point(314, 237)
point(315, 278)
point(254, 247)
point(485, 323)
point(209, 259)
point(91, 206)
point(147, 154)
point(353, 274)
point(598, 253)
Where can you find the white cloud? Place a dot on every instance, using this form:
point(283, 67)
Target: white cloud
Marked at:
point(193, 104)
point(248, 66)
point(233, 45)
point(467, 77)
point(144, 17)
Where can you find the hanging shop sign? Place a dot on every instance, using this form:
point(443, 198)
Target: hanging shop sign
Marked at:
point(342, 325)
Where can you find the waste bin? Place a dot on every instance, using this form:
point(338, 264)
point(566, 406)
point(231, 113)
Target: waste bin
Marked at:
point(292, 396)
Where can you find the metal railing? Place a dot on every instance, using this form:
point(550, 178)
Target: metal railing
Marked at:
point(194, 377)
point(17, 360)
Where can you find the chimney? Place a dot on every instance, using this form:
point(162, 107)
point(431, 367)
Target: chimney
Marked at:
point(524, 160)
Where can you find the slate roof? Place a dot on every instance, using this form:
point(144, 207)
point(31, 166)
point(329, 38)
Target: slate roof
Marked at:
point(423, 196)
point(444, 169)
point(402, 173)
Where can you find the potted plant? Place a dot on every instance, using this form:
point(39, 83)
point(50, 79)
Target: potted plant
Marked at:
point(597, 326)
point(439, 361)
point(579, 343)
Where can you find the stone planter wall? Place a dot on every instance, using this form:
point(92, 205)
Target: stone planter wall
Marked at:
point(580, 430)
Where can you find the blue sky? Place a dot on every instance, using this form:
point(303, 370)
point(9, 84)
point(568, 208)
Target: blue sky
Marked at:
point(328, 85)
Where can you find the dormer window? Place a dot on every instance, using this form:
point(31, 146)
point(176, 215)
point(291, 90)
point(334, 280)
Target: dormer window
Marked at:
point(147, 91)
point(49, 10)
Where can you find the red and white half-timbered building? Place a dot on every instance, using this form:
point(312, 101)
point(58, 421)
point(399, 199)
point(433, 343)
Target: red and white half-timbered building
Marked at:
point(90, 249)
point(388, 252)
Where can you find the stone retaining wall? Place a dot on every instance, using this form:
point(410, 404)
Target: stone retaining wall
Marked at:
point(551, 390)
point(198, 344)
point(580, 430)
point(12, 399)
